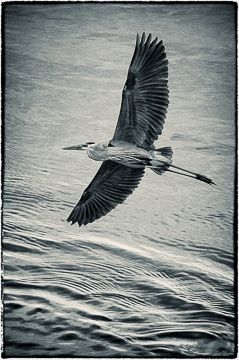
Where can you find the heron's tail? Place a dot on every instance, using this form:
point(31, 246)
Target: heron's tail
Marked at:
point(166, 152)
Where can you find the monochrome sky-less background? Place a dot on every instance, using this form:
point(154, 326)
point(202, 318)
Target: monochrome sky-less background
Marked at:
point(155, 276)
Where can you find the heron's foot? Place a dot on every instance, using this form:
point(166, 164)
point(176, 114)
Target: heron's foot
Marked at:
point(205, 179)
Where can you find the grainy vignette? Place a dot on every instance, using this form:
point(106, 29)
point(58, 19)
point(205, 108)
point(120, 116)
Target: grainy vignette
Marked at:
point(155, 277)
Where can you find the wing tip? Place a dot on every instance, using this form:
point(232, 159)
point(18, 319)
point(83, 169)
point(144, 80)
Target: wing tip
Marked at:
point(137, 40)
point(143, 37)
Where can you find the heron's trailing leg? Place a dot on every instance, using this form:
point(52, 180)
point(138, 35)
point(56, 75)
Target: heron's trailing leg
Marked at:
point(194, 175)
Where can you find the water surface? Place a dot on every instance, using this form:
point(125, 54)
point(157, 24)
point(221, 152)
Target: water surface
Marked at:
point(155, 277)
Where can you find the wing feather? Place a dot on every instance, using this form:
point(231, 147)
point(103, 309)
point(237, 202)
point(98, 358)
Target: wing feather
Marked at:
point(145, 94)
point(92, 211)
point(112, 184)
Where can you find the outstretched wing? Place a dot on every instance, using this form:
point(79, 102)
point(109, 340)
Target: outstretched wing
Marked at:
point(112, 184)
point(145, 95)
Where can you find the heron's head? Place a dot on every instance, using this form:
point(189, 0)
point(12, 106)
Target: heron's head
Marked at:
point(85, 146)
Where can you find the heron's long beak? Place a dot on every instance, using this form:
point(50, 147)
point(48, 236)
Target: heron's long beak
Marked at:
point(76, 147)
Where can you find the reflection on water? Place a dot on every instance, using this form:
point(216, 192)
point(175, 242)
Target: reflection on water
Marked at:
point(155, 276)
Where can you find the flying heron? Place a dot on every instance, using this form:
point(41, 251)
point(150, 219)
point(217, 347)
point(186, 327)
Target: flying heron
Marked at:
point(125, 157)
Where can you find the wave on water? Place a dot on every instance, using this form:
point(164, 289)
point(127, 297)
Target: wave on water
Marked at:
point(93, 296)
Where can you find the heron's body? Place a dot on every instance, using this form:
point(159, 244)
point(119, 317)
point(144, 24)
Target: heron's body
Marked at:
point(131, 150)
point(129, 154)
